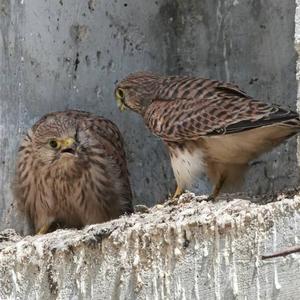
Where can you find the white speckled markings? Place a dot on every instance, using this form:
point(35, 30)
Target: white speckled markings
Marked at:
point(190, 250)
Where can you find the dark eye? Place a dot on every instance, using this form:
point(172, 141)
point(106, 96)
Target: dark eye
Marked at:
point(53, 144)
point(120, 93)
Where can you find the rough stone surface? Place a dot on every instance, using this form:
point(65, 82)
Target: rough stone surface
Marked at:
point(69, 54)
point(192, 249)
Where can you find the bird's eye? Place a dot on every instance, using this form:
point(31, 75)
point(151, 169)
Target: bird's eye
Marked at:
point(53, 144)
point(120, 94)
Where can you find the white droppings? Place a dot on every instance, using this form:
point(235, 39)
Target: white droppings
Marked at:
point(14, 278)
point(234, 271)
point(257, 266)
point(205, 249)
point(172, 251)
point(296, 220)
point(197, 245)
point(136, 261)
point(226, 250)
point(177, 252)
point(235, 285)
point(216, 264)
point(276, 281)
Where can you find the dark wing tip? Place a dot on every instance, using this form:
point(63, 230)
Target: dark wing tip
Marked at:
point(276, 115)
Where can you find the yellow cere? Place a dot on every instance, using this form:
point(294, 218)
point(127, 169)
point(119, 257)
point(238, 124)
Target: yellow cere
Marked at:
point(67, 142)
point(120, 99)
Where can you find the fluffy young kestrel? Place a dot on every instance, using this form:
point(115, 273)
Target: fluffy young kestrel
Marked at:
point(71, 171)
point(208, 126)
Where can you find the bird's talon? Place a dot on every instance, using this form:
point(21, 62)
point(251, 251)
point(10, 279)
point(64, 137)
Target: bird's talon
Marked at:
point(44, 229)
point(141, 208)
point(211, 198)
point(172, 201)
point(178, 192)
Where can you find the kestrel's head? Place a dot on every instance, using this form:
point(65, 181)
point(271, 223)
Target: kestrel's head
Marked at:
point(55, 140)
point(137, 91)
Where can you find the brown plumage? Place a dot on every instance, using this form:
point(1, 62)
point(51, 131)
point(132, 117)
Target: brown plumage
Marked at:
point(71, 171)
point(208, 126)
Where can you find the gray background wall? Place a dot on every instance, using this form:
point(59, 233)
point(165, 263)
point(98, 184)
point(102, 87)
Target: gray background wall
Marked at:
point(58, 54)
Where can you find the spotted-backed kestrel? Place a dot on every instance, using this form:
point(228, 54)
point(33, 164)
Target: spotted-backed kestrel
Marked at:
point(71, 171)
point(208, 126)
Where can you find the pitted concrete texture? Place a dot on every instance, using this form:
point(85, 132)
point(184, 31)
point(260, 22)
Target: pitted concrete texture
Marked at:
point(59, 54)
point(192, 249)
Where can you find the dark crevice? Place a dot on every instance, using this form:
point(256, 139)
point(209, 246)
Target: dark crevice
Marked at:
point(77, 62)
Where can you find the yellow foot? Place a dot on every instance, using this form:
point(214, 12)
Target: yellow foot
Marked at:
point(178, 192)
point(217, 188)
point(44, 229)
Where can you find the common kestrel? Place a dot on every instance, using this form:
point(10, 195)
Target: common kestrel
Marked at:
point(71, 171)
point(208, 126)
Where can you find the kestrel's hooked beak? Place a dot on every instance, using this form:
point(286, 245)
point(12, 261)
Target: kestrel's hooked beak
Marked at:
point(68, 145)
point(121, 105)
point(120, 95)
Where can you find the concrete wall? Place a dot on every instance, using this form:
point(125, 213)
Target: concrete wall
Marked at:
point(250, 43)
point(194, 250)
point(58, 54)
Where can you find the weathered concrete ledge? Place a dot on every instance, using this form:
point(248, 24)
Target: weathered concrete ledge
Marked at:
point(188, 250)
